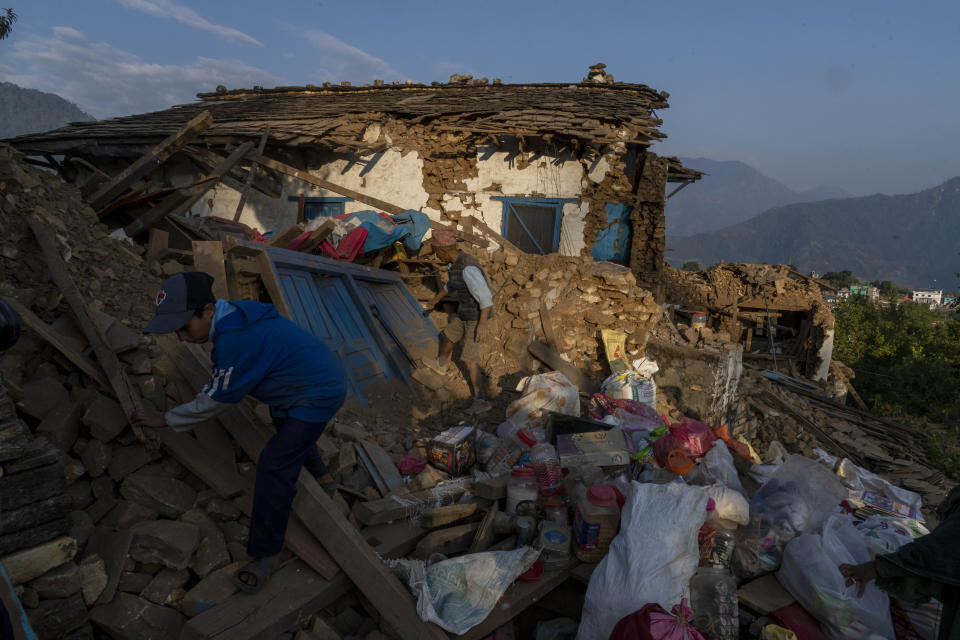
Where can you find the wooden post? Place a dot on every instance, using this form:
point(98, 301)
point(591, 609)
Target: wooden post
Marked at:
point(208, 257)
point(158, 242)
point(253, 172)
point(178, 203)
point(107, 359)
point(301, 205)
point(151, 160)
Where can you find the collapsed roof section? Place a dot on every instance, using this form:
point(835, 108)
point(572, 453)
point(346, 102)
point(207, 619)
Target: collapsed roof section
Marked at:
point(583, 113)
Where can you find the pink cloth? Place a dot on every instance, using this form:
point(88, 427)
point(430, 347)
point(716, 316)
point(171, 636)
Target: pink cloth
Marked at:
point(349, 246)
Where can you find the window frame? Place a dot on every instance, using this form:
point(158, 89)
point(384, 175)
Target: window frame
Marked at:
point(320, 200)
point(556, 203)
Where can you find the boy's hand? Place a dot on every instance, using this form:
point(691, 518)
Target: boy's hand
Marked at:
point(860, 575)
point(154, 419)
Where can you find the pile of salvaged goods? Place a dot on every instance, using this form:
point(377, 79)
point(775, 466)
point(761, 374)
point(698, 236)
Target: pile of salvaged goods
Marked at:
point(636, 476)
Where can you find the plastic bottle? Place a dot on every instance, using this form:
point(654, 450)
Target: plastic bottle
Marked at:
point(521, 486)
point(508, 451)
point(555, 509)
point(546, 463)
point(713, 598)
point(596, 523)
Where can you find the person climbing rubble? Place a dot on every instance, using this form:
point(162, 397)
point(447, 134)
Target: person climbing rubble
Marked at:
point(256, 352)
point(928, 567)
point(469, 284)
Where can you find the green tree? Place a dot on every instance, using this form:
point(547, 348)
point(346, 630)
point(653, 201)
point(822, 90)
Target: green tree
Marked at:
point(840, 279)
point(692, 266)
point(7, 18)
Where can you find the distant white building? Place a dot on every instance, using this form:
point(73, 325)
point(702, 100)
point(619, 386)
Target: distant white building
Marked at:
point(929, 297)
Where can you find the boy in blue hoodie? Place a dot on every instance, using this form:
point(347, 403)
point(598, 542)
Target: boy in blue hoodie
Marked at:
point(256, 352)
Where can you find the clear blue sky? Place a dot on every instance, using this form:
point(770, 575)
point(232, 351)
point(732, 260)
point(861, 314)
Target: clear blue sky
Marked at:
point(861, 95)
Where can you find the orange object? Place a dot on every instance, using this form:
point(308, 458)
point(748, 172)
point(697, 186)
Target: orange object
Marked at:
point(679, 462)
point(742, 450)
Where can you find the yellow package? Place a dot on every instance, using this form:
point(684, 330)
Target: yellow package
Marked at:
point(615, 346)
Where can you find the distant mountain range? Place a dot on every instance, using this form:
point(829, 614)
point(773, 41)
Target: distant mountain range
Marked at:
point(911, 239)
point(30, 111)
point(731, 192)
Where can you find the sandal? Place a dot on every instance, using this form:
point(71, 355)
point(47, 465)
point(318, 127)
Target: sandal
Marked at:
point(261, 569)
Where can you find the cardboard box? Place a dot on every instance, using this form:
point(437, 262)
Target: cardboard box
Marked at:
point(454, 450)
point(600, 448)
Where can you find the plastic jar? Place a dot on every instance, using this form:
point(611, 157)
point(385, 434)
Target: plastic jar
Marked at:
point(521, 486)
point(555, 509)
point(713, 598)
point(546, 464)
point(596, 522)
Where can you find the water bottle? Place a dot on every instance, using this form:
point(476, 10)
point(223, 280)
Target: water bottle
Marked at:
point(513, 443)
point(713, 598)
point(546, 464)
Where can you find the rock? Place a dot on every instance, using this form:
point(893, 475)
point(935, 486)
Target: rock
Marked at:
point(42, 396)
point(169, 542)
point(39, 452)
point(349, 433)
point(126, 460)
point(83, 632)
point(163, 585)
point(95, 458)
point(238, 552)
point(345, 459)
point(128, 617)
point(210, 591)
point(236, 532)
point(104, 418)
point(93, 578)
point(112, 547)
point(222, 510)
point(428, 478)
point(62, 582)
point(24, 566)
point(30, 598)
point(82, 525)
point(134, 582)
point(57, 618)
point(348, 621)
point(211, 554)
point(102, 486)
point(511, 260)
point(167, 496)
point(62, 425)
point(691, 335)
point(73, 469)
point(126, 514)
point(80, 493)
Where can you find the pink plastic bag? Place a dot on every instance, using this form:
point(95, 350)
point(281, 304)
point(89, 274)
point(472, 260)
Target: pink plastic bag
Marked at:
point(654, 623)
point(410, 466)
point(690, 436)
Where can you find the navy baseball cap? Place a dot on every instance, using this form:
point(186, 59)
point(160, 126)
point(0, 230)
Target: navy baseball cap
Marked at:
point(179, 297)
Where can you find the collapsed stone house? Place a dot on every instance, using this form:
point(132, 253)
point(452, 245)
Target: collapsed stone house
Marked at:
point(555, 167)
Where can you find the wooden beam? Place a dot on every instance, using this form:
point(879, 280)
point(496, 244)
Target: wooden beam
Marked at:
point(250, 176)
point(150, 161)
point(178, 203)
point(849, 385)
point(317, 237)
point(496, 237)
point(158, 242)
point(58, 342)
point(285, 237)
point(207, 159)
point(305, 176)
point(116, 374)
point(208, 257)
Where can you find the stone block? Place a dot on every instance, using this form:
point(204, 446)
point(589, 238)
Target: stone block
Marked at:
point(134, 582)
point(127, 514)
point(349, 433)
point(104, 418)
point(29, 598)
point(62, 425)
point(211, 554)
point(57, 618)
point(96, 458)
point(73, 469)
point(126, 460)
point(167, 496)
point(39, 452)
point(345, 459)
point(112, 547)
point(80, 493)
point(236, 532)
point(210, 591)
point(42, 396)
point(128, 617)
point(82, 526)
point(164, 584)
point(23, 566)
point(62, 582)
point(166, 541)
point(222, 510)
point(102, 486)
point(93, 578)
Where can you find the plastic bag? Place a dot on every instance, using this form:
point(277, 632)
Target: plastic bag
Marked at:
point(652, 622)
point(884, 534)
point(690, 436)
point(543, 392)
point(557, 629)
point(459, 593)
point(811, 574)
point(630, 385)
point(717, 467)
point(410, 466)
point(652, 558)
point(798, 498)
point(730, 508)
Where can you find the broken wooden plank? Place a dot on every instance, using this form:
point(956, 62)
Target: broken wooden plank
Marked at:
point(58, 342)
point(271, 282)
point(443, 516)
point(157, 243)
point(447, 541)
point(496, 237)
point(764, 595)
point(309, 178)
point(178, 203)
point(849, 385)
point(317, 237)
point(485, 532)
point(384, 467)
point(547, 322)
point(253, 172)
point(116, 374)
point(396, 507)
point(208, 257)
point(151, 160)
point(285, 237)
point(192, 455)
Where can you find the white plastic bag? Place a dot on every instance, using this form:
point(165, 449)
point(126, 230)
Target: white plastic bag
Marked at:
point(860, 480)
point(652, 558)
point(629, 385)
point(731, 508)
point(543, 392)
point(884, 534)
point(811, 574)
point(459, 593)
point(717, 467)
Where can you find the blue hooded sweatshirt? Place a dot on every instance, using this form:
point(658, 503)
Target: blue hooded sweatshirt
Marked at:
point(258, 352)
